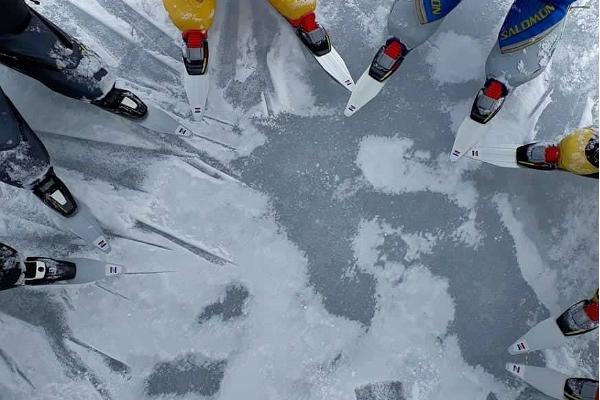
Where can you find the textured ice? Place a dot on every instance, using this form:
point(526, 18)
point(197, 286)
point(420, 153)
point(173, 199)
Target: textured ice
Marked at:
point(364, 255)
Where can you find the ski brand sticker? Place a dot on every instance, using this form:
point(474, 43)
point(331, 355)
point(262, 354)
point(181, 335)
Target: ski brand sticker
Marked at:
point(522, 346)
point(112, 269)
point(101, 243)
point(528, 22)
point(183, 131)
point(432, 10)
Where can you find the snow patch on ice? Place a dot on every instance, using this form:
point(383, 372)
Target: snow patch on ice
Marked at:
point(408, 339)
point(287, 68)
point(391, 165)
point(542, 279)
point(456, 58)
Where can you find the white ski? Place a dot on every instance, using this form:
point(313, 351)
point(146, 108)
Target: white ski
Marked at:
point(366, 89)
point(335, 66)
point(85, 225)
point(544, 335)
point(504, 156)
point(469, 134)
point(89, 271)
point(546, 380)
point(196, 88)
point(160, 121)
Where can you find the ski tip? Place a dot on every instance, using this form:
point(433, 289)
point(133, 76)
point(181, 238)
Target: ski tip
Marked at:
point(102, 244)
point(519, 347)
point(515, 369)
point(350, 110)
point(455, 155)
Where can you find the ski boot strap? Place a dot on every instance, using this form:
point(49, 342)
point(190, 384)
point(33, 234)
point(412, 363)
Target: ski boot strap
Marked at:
point(194, 39)
point(395, 49)
point(552, 154)
point(495, 89)
point(308, 22)
point(591, 310)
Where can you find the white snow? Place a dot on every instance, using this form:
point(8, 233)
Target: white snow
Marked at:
point(456, 58)
point(542, 279)
point(392, 166)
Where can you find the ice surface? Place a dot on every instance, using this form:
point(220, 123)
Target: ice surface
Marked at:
point(321, 254)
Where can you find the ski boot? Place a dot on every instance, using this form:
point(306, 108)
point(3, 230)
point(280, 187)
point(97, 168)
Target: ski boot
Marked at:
point(25, 163)
point(489, 101)
point(63, 64)
point(581, 389)
point(580, 318)
point(314, 36)
point(195, 52)
point(46, 53)
point(44, 271)
point(542, 156)
point(387, 60)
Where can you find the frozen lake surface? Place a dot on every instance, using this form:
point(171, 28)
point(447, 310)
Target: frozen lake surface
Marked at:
point(314, 254)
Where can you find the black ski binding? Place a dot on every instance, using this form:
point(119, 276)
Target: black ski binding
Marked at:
point(43, 271)
point(123, 102)
point(575, 321)
point(384, 64)
point(55, 194)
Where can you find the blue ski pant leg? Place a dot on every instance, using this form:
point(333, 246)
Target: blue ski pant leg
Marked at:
point(527, 40)
point(415, 21)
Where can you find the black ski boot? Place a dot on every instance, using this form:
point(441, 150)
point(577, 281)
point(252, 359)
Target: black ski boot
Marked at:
point(542, 156)
point(195, 52)
point(581, 389)
point(314, 36)
point(580, 318)
point(44, 52)
point(489, 101)
point(25, 163)
point(387, 60)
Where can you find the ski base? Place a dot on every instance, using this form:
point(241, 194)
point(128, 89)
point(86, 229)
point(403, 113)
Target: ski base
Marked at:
point(544, 335)
point(160, 121)
point(196, 88)
point(546, 380)
point(366, 89)
point(504, 156)
point(89, 271)
point(335, 66)
point(85, 225)
point(469, 134)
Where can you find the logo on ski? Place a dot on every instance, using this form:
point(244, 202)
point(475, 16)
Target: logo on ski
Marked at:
point(522, 346)
point(113, 269)
point(183, 131)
